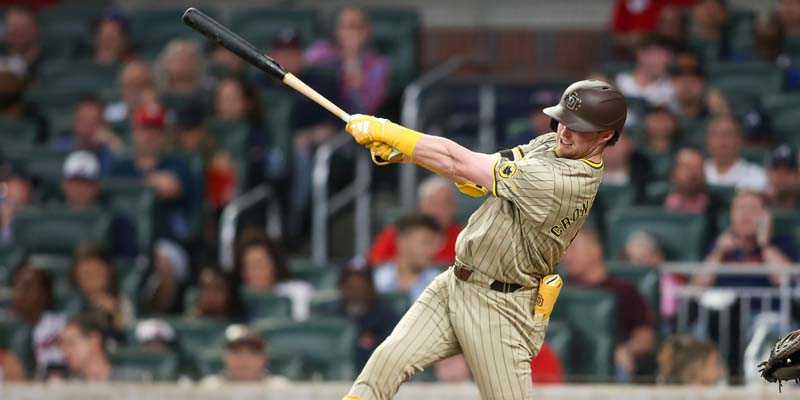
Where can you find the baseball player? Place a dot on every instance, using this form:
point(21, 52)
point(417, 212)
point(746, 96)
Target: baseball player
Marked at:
point(485, 306)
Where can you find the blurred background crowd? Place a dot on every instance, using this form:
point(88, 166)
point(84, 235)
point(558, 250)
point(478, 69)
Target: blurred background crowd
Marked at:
point(125, 137)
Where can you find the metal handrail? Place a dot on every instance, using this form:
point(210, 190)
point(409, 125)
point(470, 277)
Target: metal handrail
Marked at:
point(409, 117)
point(323, 207)
point(231, 212)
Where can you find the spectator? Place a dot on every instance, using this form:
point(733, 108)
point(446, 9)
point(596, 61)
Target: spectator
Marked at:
point(84, 345)
point(359, 303)
point(112, 39)
point(661, 131)
point(363, 75)
point(769, 37)
point(81, 187)
point(22, 38)
point(155, 335)
point(11, 369)
point(261, 266)
point(641, 248)
point(726, 167)
point(684, 360)
point(136, 82)
point(217, 297)
point(783, 190)
point(418, 237)
point(694, 100)
point(632, 20)
point(94, 278)
point(625, 165)
point(649, 79)
point(635, 332)
point(436, 198)
point(90, 133)
point(546, 367)
point(789, 14)
point(163, 288)
point(710, 20)
point(673, 26)
point(689, 192)
point(13, 107)
point(181, 73)
point(18, 194)
point(748, 240)
point(33, 302)
point(169, 176)
point(245, 359)
point(223, 63)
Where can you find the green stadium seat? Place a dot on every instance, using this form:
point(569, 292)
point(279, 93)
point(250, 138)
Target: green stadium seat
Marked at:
point(681, 235)
point(784, 221)
point(591, 317)
point(741, 33)
point(784, 118)
point(260, 26)
point(17, 133)
point(10, 257)
point(266, 305)
point(136, 201)
point(56, 230)
point(644, 277)
point(755, 155)
point(661, 164)
point(17, 337)
point(324, 276)
point(5, 300)
point(160, 366)
point(611, 196)
point(398, 302)
point(707, 50)
point(194, 334)
point(78, 75)
point(325, 346)
point(278, 111)
point(559, 337)
point(744, 84)
point(43, 163)
point(395, 34)
point(151, 30)
point(791, 46)
point(66, 29)
point(656, 192)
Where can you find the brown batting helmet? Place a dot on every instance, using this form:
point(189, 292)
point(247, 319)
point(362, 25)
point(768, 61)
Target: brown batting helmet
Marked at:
point(590, 106)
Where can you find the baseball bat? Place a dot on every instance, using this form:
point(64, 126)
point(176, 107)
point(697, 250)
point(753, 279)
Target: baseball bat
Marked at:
point(226, 38)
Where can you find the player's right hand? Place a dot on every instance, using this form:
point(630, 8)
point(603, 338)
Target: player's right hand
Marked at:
point(383, 154)
point(367, 129)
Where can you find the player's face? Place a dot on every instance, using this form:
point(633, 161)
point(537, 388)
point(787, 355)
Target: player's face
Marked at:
point(576, 145)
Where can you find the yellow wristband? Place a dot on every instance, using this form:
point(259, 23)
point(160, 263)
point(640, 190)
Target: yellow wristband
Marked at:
point(401, 138)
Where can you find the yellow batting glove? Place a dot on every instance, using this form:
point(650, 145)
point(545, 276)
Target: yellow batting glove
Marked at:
point(383, 154)
point(472, 189)
point(549, 289)
point(366, 129)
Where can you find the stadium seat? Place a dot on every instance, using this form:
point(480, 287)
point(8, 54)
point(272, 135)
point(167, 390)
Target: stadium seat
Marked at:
point(741, 33)
point(320, 276)
point(266, 305)
point(784, 221)
point(323, 300)
point(395, 34)
point(194, 334)
point(136, 201)
point(151, 30)
point(56, 230)
point(159, 365)
point(45, 164)
point(644, 277)
point(744, 84)
point(611, 196)
point(398, 302)
point(707, 50)
point(781, 111)
point(10, 257)
point(82, 75)
point(5, 300)
point(66, 29)
point(656, 192)
point(559, 337)
point(681, 235)
point(59, 266)
point(660, 164)
point(325, 346)
point(16, 336)
point(755, 155)
point(591, 317)
point(17, 133)
point(260, 26)
point(278, 110)
point(791, 46)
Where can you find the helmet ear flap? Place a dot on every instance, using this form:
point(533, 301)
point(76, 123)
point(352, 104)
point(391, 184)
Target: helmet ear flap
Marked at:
point(553, 124)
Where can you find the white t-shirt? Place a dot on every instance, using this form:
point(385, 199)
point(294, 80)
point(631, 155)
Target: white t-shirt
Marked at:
point(743, 175)
point(300, 293)
point(47, 340)
point(658, 93)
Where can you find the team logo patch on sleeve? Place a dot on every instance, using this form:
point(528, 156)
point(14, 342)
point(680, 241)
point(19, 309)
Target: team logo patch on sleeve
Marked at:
point(507, 169)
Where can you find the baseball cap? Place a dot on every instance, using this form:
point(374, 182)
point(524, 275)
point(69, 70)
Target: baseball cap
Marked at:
point(150, 115)
point(151, 330)
point(81, 165)
point(287, 38)
point(239, 334)
point(783, 155)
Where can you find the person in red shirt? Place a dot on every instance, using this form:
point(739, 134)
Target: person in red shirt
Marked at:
point(546, 367)
point(631, 19)
point(437, 199)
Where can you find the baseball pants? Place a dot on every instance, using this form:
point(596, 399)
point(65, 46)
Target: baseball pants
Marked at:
point(495, 331)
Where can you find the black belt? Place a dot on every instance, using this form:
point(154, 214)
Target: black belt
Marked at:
point(462, 272)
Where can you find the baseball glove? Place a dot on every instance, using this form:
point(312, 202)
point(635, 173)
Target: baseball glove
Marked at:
point(784, 360)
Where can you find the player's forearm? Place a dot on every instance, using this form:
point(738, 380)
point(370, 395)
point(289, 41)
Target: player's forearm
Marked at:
point(454, 161)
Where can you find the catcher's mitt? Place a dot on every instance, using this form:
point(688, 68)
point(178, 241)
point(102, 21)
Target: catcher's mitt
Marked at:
point(784, 360)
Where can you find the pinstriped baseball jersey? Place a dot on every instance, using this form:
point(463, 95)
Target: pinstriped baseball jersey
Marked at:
point(540, 202)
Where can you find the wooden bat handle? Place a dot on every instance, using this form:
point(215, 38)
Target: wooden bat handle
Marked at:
point(296, 84)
